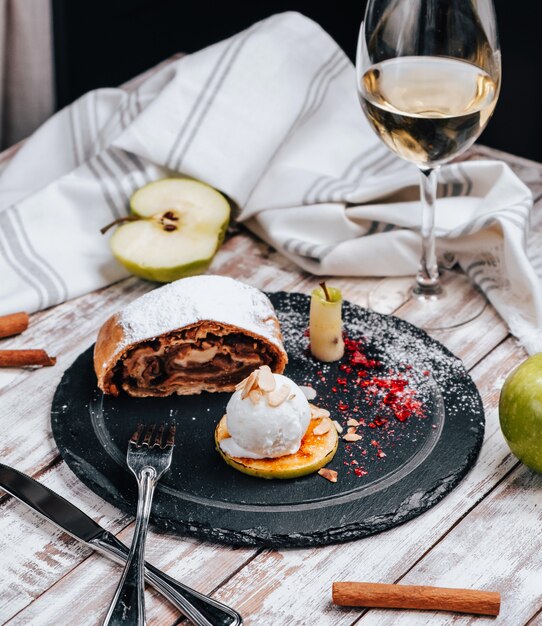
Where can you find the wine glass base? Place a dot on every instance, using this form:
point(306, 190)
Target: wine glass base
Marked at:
point(453, 307)
point(432, 293)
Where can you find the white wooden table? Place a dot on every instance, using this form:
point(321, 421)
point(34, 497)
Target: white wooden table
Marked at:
point(486, 534)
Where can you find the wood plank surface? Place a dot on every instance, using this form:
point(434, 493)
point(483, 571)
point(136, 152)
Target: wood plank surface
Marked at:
point(264, 587)
point(459, 542)
point(59, 597)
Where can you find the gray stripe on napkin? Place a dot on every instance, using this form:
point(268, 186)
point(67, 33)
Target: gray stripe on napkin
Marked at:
point(306, 249)
point(323, 182)
point(385, 164)
point(467, 178)
point(94, 124)
point(124, 115)
point(93, 105)
point(98, 135)
point(473, 265)
point(537, 267)
point(209, 101)
point(360, 168)
point(489, 218)
point(133, 107)
point(316, 252)
point(340, 65)
point(520, 223)
point(293, 245)
point(33, 273)
point(337, 189)
point(491, 288)
point(23, 257)
point(201, 105)
point(457, 189)
point(314, 98)
point(103, 160)
point(138, 164)
point(373, 228)
point(74, 141)
point(61, 287)
point(12, 260)
point(453, 185)
point(486, 279)
point(91, 164)
point(328, 180)
point(474, 275)
point(324, 251)
point(127, 174)
point(138, 105)
point(388, 228)
point(198, 103)
point(83, 126)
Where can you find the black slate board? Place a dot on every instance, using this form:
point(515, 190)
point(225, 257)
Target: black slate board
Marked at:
point(425, 457)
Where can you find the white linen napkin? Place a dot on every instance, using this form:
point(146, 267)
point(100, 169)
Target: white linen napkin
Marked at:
point(271, 118)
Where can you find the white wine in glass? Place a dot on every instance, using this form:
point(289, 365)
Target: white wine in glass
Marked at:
point(428, 78)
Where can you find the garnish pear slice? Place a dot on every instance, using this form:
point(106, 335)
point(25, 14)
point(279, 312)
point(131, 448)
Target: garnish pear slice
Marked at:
point(183, 223)
point(315, 452)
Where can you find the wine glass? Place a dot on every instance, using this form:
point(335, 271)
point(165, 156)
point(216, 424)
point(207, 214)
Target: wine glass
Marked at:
point(428, 79)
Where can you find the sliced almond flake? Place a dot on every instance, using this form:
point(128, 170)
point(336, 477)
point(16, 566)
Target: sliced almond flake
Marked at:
point(251, 380)
point(291, 396)
point(277, 397)
point(322, 428)
point(351, 437)
point(351, 429)
point(328, 474)
point(352, 422)
point(225, 418)
point(309, 392)
point(266, 380)
point(338, 427)
point(255, 396)
point(317, 412)
point(241, 384)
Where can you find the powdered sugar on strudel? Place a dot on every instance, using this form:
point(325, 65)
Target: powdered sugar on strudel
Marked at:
point(217, 298)
point(204, 333)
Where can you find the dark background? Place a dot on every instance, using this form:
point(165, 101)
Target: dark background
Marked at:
point(106, 42)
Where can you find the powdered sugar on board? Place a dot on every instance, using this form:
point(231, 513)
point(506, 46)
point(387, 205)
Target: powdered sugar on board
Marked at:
point(191, 300)
point(391, 394)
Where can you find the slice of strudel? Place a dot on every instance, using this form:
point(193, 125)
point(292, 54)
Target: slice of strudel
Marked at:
point(204, 333)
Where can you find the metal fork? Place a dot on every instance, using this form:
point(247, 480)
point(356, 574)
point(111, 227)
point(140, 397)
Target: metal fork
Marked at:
point(149, 456)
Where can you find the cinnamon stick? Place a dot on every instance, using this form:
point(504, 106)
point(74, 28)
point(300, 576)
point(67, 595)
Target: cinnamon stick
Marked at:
point(13, 324)
point(25, 358)
point(416, 597)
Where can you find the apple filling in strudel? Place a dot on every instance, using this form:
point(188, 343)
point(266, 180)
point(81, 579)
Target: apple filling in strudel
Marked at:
point(198, 334)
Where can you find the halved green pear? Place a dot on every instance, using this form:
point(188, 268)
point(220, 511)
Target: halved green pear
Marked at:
point(315, 452)
point(183, 223)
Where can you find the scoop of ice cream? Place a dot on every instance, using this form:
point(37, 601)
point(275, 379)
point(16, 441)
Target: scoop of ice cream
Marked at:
point(258, 430)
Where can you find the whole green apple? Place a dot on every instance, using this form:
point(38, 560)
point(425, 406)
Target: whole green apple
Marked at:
point(520, 412)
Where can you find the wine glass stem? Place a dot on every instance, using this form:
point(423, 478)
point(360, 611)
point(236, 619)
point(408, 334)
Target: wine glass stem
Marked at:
point(427, 280)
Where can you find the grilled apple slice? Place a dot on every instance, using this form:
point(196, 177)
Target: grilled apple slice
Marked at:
point(315, 452)
point(182, 224)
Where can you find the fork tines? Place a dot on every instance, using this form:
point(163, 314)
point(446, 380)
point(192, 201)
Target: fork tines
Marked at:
point(152, 437)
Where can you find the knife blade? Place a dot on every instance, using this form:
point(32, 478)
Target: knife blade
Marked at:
point(198, 608)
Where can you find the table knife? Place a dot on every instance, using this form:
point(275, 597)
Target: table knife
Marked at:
point(198, 608)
